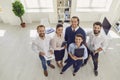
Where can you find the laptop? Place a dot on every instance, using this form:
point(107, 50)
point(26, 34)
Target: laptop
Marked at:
point(79, 52)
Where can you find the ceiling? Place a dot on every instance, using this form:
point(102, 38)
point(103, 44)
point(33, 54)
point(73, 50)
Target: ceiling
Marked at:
point(7, 16)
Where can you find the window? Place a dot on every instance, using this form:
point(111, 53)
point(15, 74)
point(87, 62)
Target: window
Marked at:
point(38, 5)
point(93, 5)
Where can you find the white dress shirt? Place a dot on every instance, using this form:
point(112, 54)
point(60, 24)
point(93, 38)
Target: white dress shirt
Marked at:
point(75, 28)
point(57, 42)
point(96, 42)
point(42, 45)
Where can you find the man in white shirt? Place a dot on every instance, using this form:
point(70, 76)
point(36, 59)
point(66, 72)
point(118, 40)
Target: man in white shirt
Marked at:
point(96, 44)
point(41, 45)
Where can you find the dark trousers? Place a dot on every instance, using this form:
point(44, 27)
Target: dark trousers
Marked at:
point(43, 61)
point(77, 64)
point(94, 58)
point(68, 56)
point(59, 54)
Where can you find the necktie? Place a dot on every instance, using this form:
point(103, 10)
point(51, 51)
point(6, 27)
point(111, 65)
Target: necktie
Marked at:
point(73, 30)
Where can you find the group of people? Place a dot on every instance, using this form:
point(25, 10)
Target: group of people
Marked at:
point(75, 38)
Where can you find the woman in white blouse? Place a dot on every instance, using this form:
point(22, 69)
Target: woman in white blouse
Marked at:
point(57, 41)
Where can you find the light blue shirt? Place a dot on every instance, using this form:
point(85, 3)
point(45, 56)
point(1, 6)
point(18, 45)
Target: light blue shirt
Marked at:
point(73, 46)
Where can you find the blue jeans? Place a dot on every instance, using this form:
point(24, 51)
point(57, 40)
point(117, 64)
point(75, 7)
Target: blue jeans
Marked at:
point(43, 61)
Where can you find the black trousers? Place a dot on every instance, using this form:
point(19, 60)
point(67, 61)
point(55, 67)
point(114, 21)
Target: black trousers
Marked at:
point(94, 58)
point(59, 54)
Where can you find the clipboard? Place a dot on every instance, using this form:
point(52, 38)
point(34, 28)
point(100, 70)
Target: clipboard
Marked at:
point(79, 52)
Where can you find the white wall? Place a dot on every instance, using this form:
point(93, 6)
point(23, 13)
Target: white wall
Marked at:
point(36, 17)
point(8, 16)
point(112, 15)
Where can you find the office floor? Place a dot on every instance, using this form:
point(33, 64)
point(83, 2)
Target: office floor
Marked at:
point(19, 62)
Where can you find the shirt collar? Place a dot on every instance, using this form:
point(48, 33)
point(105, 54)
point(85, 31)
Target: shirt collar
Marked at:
point(76, 45)
point(57, 36)
point(75, 28)
point(95, 35)
point(41, 38)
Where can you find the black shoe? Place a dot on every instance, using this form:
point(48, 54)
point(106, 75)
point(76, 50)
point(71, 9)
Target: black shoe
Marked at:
point(96, 72)
point(61, 72)
point(73, 74)
point(83, 64)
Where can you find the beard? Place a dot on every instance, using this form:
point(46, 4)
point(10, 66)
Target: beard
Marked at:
point(42, 34)
point(96, 32)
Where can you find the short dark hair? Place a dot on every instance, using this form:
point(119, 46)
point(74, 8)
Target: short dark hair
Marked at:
point(77, 19)
point(97, 23)
point(59, 25)
point(79, 35)
point(40, 26)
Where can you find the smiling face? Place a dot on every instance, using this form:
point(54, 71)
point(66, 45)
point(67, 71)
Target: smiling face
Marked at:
point(59, 30)
point(74, 22)
point(41, 31)
point(78, 40)
point(96, 29)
